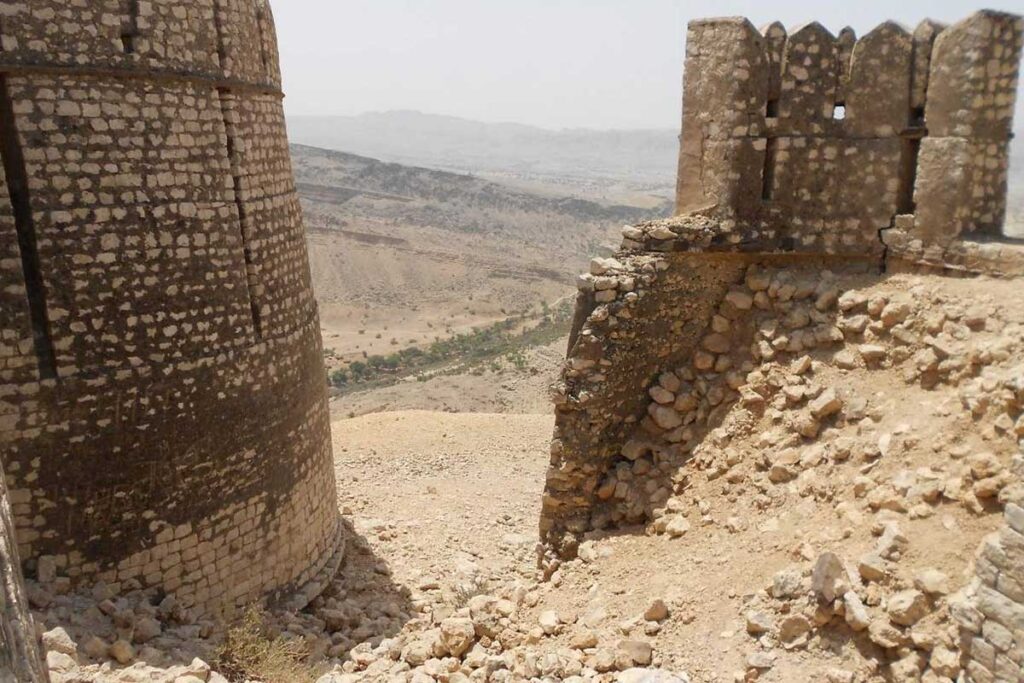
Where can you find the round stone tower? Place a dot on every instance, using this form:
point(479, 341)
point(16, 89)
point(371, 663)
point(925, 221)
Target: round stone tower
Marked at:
point(163, 411)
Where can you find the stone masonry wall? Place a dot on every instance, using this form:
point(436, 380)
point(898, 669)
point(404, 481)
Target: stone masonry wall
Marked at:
point(818, 142)
point(806, 160)
point(163, 414)
point(991, 613)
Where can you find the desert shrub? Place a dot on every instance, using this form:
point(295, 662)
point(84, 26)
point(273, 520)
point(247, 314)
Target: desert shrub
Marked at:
point(517, 358)
point(250, 653)
point(464, 591)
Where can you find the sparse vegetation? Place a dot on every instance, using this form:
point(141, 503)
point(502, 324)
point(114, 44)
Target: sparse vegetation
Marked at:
point(250, 653)
point(477, 350)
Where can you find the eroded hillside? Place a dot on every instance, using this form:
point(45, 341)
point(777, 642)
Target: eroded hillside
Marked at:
point(402, 256)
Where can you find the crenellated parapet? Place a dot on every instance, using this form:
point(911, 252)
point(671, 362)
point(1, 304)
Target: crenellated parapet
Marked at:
point(807, 141)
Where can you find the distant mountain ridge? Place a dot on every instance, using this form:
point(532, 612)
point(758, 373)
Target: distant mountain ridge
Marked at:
point(638, 159)
point(359, 175)
point(408, 137)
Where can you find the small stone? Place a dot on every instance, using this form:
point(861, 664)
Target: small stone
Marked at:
point(57, 661)
point(122, 652)
point(908, 668)
point(760, 660)
point(146, 629)
point(873, 568)
point(740, 300)
point(600, 266)
point(827, 580)
point(198, 668)
point(665, 417)
point(884, 634)
point(932, 582)
point(856, 614)
point(839, 676)
point(662, 395)
point(717, 343)
point(787, 583)
point(95, 647)
point(677, 526)
point(58, 640)
point(631, 232)
point(758, 623)
point(549, 622)
point(602, 661)
point(457, 635)
point(984, 465)
point(892, 541)
point(827, 403)
point(945, 662)
point(757, 279)
point(793, 631)
point(703, 360)
point(670, 382)
point(845, 359)
point(417, 652)
point(907, 607)
point(806, 425)
point(895, 312)
point(583, 639)
point(851, 300)
point(872, 353)
point(634, 449)
point(650, 676)
point(638, 651)
point(801, 366)
point(658, 611)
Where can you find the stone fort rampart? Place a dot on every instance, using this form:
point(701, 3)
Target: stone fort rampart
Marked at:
point(163, 417)
point(914, 173)
point(814, 142)
point(810, 166)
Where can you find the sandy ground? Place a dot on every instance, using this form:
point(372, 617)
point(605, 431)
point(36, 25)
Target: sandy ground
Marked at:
point(445, 495)
point(450, 502)
point(508, 390)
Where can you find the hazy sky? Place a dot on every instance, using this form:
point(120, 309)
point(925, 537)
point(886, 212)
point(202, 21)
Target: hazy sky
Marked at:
point(552, 63)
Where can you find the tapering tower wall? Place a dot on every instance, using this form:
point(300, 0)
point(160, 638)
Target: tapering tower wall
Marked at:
point(163, 413)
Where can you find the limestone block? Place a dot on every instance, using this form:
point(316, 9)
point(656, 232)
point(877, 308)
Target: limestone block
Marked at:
point(867, 184)
point(973, 79)
point(943, 188)
point(878, 95)
point(726, 175)
point(805, 175)
point(727, 80)
point(810, 74)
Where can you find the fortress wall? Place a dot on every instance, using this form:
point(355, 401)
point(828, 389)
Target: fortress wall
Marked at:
point(601, 399)
point(162, 403)
point(688, 321)
point(991, 610)
point(783, 205)
point(818, 142)
point(965, 158)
